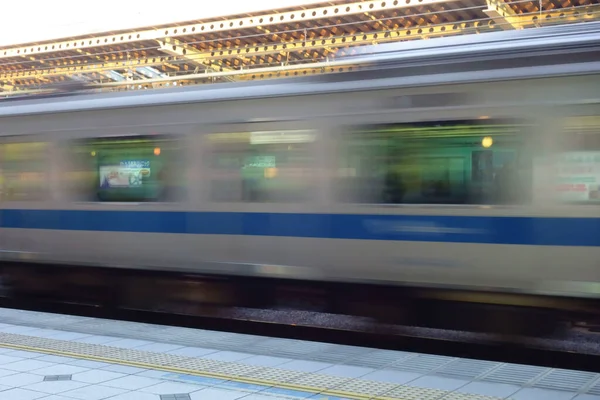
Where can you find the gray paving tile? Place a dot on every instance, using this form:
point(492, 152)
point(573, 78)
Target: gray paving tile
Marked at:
point(20, 379)
point(305, 366)
point(59, 369)
point(89, 364)
point(57, 397)
point(22, 394)
point(137, 396)
point(172, 388)
point(466, 369)
point(124, 369)
point(438, 382)
point(27, 365)
point(560, 379)
point(229, 356)
point(346, 371)
point(129, 343)
point(515, 374)
point(96, 339)
point(55, 387)
point(423, 363)
point(594, 388)
point(45, 333)
point(501, 390)
point(267, 397)
point(8, 359)
point(159, 347)
point(69, 336)
point(23, 354)
point(131, 382)
point(377, 359)
point(21, 330)
point(7, 372)
point(155, 374)
point(399, 377)
point(541, 394)
point(56, 359)
point(265, 361)
point(97, 376)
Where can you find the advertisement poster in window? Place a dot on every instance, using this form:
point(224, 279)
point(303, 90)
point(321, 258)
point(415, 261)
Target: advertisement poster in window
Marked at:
point(576, 176)
point(126, 174)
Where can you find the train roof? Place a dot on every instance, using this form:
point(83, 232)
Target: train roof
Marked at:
point(481, 58)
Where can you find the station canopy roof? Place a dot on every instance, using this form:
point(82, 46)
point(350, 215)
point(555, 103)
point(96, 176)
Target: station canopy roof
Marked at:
point(293, 41)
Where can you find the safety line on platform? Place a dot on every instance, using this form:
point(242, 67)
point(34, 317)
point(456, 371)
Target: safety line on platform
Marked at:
point(355, 389)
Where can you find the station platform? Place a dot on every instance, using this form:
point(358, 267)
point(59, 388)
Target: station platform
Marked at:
point(60, 357)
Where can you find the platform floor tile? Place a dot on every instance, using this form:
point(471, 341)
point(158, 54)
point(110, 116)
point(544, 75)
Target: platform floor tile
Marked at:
point(127, 361)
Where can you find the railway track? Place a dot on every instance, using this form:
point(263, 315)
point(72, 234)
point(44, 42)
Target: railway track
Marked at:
point(569, 349)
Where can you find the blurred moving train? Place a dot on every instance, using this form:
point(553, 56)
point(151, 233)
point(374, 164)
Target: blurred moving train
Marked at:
point(464, 162)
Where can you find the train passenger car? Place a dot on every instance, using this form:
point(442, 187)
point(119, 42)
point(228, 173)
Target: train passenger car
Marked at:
point(478, 172)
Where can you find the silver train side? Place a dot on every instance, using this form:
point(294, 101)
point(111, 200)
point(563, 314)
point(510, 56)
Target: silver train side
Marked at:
point(544, 79)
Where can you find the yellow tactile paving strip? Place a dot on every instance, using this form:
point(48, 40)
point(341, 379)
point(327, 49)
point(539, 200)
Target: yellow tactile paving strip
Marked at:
point(325, 385)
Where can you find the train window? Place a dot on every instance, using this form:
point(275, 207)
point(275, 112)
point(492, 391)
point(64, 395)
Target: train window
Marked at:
point(273, 166)
point(457, 162)
point(576, 168)
point(125, 169)
point(24, 171)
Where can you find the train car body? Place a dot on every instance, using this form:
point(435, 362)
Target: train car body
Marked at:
point(479, 173)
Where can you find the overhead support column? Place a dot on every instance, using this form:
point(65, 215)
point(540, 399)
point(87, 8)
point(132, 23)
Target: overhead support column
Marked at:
point(502, 14)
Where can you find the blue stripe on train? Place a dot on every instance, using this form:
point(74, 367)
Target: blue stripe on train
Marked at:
point(454, 229)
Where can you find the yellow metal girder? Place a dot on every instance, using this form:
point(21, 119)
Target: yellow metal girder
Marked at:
point(210, 77)
point(182, 51)
point(419, 32)
point(502, 14)
point(241, 75)
point(84, 68)
point(351, 8)
point(244, 53)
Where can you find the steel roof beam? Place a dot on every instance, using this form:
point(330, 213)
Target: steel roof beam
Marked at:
point(5, 87)
point(244, 75)
point(309, 14)
point(198, 58)
point(502, 14)
point(180, 50)
point(187, 53)
point(115, 76)
point(82, 68)
point(394, 35)
point(151, 73)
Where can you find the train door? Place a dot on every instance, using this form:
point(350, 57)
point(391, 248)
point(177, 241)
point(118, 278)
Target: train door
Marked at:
point(263, 184)
point(25, 165)
point(567, 184)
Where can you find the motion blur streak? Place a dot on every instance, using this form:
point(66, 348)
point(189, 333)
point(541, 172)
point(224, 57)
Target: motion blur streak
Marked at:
point(471, 163)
